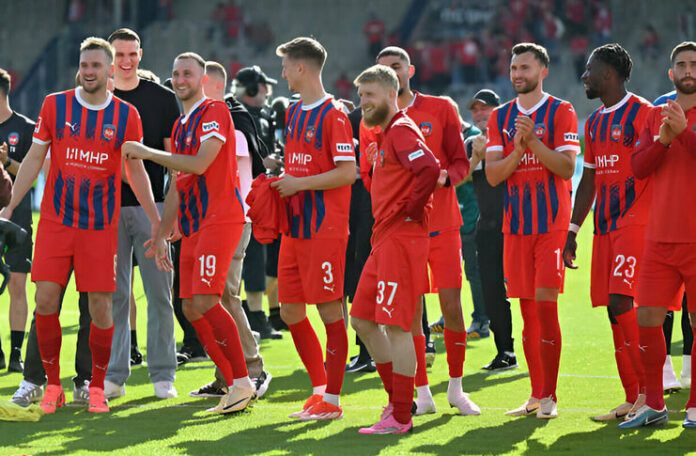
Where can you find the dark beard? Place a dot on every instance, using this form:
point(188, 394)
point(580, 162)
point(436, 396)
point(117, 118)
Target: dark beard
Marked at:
point(528, 87)
point(377, 117)
point(681, 88)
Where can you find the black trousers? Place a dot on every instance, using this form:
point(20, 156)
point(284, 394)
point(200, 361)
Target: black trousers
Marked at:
point(685, 327)
point(358, 249)
point(489, 246)
point(33, 367)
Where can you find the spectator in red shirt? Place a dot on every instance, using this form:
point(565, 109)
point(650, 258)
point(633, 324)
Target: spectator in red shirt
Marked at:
point(374, 30)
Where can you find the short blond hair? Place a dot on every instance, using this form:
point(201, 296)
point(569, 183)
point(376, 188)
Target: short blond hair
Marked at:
point(380, 74)
point(213, 67)
point(95, 43)
point(303, 48)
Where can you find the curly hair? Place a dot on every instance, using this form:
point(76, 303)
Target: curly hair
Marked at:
point(616, 57)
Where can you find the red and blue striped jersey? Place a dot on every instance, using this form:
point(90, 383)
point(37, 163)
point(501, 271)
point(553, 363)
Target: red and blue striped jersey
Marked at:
point(212, 197)
point(536, 201)
point(318, 136)
point(83, 187)
point(610, 137)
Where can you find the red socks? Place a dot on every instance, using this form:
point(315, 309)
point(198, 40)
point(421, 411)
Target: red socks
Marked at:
point(336, 355)
point(629, 379)
point(227, 337)
point(550, 347)
point(455, 344)
point(653, 353)
point(205, 335)
point(402, 397)
point(49, 338)
point(531, 339)
point(386, 374)
point(421, 373)
point(309, 348)
point(100, 345)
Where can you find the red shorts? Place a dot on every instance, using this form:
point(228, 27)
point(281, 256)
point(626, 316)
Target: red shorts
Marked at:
point(311, 271)
point(392, 281)
point(90, 253)
point(445, 260)
point(205, 259)
point(533, 261)
point(666, 270)
point(616, 260)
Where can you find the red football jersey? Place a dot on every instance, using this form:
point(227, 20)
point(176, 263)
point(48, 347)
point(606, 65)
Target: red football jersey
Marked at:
point(402, 150)
point(212, 197)
point(610, 136)
point(318, 136)
point(83, 188)
point(442, 129)
point(536, 201)
point(672, 215)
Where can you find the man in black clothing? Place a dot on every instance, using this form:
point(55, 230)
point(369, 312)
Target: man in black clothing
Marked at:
point(360, 223)
point(158, 112)
point(252, 88)
point(489, 237)
point(15, 140)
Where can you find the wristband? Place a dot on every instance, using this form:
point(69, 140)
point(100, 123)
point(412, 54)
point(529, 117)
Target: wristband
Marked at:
point(574, 228)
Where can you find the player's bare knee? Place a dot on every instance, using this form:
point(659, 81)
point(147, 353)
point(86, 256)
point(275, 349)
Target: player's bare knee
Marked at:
point(361, 326)
point(189, 311)
point(292, 314)
point(331, 312)
point(546, 294)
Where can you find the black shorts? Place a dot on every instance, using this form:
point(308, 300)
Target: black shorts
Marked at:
point(254, 271)
point(19, 257)
point(272, 252)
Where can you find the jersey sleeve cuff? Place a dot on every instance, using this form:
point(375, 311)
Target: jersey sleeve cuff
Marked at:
point(571, 148)
point(344, 158)
point(213, 134)
point(36, 140)
point(494, 149)
point(589, 165)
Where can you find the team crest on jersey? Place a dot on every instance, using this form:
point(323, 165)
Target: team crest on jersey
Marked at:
point(189, 139)
point(426, 128)
point(13, 138)
point(616, 132)
point(539, 130)
point(108, 132)
point(309, 134)
point(381, 158)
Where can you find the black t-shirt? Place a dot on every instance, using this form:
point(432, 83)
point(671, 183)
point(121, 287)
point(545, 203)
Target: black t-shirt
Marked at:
point(17, 133)
point(490, 199)
point(245, 122)
point(158, 112)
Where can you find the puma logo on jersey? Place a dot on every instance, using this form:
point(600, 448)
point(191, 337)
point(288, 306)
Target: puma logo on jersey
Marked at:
point(328, 288)
point(207, 281)
point(388, 311)
point(72, 127)
point(629, 283)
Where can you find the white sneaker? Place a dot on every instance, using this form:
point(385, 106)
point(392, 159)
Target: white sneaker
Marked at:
point(547, 409)
point(686, 371)
point(112, 390)
point(81, 393)
point(165, 390)
point(425, 406)
point(27, 394)
point(465, 405)
point(529, 407)
point(669, 378)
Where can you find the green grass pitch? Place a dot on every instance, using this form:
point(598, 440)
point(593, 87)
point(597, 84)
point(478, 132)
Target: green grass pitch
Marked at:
point(139, 424)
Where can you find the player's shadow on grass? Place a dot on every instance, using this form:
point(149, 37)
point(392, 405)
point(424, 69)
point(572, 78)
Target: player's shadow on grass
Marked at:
point(478, 381)
point(609, 438)
point(77, 430)
point(295, 438)
point(497, 439)
point(294, 387)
